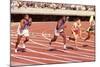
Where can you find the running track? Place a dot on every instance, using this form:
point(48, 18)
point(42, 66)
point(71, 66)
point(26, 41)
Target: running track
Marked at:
point(37, 47)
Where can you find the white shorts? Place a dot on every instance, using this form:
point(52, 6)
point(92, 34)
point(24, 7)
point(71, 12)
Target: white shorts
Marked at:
point(57, 32)
point(24, 32)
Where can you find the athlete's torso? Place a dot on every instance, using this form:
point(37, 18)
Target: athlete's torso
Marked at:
point(61, 24)
point(26, 24)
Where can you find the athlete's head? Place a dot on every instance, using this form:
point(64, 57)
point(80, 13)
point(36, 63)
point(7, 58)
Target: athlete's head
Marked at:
point(67, 17)
point(64, 18)
point(30, 19)
point(78, 20)
point(26, 16)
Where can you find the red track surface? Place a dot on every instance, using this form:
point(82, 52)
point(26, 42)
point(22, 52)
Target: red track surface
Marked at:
point(37, 48)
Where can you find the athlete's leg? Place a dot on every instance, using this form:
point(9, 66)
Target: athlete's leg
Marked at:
point(26, 39)
point(80, 34)
point(88, 36)
point(53, 39)
point(18, 41)
point(93, 33)
point(56, 34)
point(64, 39)
point(76, 38)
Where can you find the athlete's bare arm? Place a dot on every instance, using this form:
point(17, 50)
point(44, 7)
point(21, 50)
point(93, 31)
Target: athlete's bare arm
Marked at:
point(30, 21)
point(22, 24)
point(73, 27)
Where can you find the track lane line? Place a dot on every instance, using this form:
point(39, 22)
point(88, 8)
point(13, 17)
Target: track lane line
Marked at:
point(53, 55)
point(62, 43)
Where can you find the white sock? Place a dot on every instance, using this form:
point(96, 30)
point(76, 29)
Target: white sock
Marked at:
point(65, 47)
point(23, 45)
point(16, 50)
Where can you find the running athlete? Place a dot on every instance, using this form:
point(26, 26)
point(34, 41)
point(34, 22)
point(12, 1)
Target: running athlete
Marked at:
point(76, 30)
point(91, 28)
point(59, 31)
point(23, 31)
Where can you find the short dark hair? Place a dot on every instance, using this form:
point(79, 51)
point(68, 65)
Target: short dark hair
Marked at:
point(26, 15)
point(77, 19)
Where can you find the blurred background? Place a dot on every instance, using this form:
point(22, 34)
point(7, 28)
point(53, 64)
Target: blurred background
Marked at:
point(48, 11)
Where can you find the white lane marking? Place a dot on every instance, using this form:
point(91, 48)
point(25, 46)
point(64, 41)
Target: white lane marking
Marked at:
point(62, 43)
point(42, 40)
point(72, 41)
point(53, 45)
point(52, 55)
point(65, 57)
point(12, 36)
point(28, 59)
point(49, 35)
point(42, 45)
point(57, 45)
point(67, 51)
point(13, 33)
point(61, 50)
point(13, 63)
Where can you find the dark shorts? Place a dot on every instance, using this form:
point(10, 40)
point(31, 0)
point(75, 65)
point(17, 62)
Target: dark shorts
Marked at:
point(77, 31)
point(90, 29)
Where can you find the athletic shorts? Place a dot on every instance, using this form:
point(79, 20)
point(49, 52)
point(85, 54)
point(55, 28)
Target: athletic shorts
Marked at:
point(24, 32)
point(57, 32)
point(76, 31)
